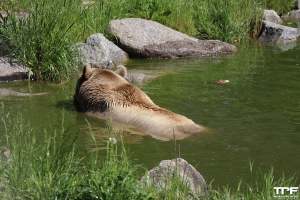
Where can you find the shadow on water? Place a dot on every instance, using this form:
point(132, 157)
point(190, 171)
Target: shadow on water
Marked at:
point(66, 104)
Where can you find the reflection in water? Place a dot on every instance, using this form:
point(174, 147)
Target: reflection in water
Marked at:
point(114, 131)
point(256, 116)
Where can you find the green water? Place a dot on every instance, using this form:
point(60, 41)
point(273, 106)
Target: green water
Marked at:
point(254, 117)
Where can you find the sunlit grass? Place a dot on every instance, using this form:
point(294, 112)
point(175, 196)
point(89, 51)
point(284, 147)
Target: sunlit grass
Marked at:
point(43, 40)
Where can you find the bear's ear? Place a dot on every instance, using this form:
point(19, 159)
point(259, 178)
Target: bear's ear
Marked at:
point(87, 71)
point(121, 70)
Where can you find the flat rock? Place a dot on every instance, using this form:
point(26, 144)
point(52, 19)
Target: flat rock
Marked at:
point(277, 34)
point(272, 16)
point(292, 14)
point(148, 39)
point(11, 70)
point(186, 172)
point(100, 52)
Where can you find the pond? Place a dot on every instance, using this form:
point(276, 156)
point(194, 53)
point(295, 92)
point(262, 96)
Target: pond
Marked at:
point(255, 117)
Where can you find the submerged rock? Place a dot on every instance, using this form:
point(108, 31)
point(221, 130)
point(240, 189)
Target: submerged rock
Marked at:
point(148, 39)
point(5, 92)
point(272, 16)
point(276, 34)
point(139, 77)
point(186, 172)
point(100, 52)
point(11, 70)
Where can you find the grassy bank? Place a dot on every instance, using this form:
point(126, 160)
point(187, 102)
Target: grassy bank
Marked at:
point(43, 40)
point(51, 169)
point(282, 7)
point(216, 19)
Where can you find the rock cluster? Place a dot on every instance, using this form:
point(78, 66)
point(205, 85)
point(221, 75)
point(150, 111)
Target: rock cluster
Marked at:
point(273, 33)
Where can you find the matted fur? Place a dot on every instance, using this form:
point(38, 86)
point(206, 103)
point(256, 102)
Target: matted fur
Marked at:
point(107, 94)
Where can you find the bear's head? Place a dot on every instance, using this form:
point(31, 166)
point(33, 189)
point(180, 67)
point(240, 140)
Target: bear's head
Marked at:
point(94, 73)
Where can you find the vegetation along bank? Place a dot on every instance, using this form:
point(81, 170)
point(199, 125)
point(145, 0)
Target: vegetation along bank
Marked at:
point(42, 39)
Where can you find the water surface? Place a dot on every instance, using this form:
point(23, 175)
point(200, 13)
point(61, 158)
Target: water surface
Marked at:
point(254, 117)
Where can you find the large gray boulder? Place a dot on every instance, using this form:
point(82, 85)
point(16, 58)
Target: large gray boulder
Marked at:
point(148, 39)
point(11, 70)
point(277, 34)
point(186, 172)
point(272, 16)
point(100, 52)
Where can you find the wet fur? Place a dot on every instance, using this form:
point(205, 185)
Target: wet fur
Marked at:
point(107, 94)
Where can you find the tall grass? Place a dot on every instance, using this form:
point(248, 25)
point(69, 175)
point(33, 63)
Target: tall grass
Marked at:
point(41, 39)
point(227, 20)
point(45, 170)
point(114, 178)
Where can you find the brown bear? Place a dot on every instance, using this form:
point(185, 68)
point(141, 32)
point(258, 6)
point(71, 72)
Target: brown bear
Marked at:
point(108, 95)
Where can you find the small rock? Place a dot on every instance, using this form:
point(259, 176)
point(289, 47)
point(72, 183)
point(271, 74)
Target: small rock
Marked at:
point(186, 172)
point(5, 154)
point(292, 14)
point(100, 52)
point(272, 16)
point(139, 77)
point(11, 70)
